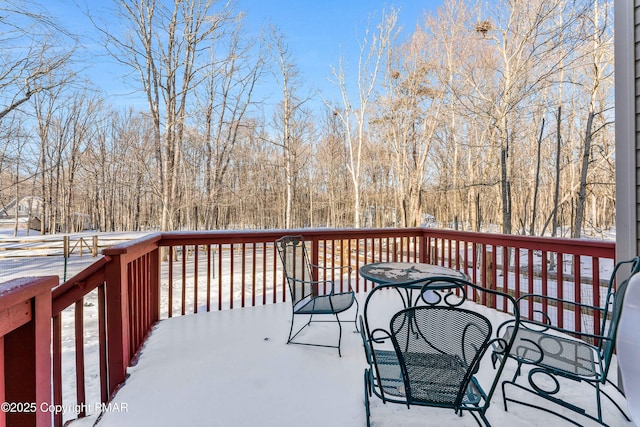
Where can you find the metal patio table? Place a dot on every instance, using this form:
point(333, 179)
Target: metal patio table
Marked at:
point(407, 275)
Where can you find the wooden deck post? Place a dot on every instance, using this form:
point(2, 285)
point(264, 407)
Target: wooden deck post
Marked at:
point(25, 335)
point(118, 353)
point(94, 246)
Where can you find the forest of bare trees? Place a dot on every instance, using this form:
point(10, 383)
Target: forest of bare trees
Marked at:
point(483, 117)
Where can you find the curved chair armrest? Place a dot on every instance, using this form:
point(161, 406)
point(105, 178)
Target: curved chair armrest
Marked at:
point(331, 284)
point(500, 347)
point(374, 336)
point(504, 339)
point(546, 324)
point(536, 326)
point(555, 300)
point(505, 324)
point(366, 342)
point(309, 282)
point(337, 267)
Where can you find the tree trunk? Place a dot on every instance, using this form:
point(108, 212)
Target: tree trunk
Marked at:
point(582, 192)
point(506, 191)
point(17, 194)
point(556, 194)
point(536, 184)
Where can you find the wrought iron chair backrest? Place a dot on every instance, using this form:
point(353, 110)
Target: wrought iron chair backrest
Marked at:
point(612, 311)
point(452, 294)
point(439, 349)
point(296, 266)
point(460, 291)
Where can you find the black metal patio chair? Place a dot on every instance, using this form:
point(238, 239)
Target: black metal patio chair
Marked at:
point(429, 353)
point(307, 290)
point(558, 356)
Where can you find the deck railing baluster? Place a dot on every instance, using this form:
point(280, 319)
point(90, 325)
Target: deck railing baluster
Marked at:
point(195, 278)
point(170, 281)
point(243, 265)
point(577, 293)
point(79, 346)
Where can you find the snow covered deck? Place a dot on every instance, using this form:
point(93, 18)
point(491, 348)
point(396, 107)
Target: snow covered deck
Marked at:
point(233, 368)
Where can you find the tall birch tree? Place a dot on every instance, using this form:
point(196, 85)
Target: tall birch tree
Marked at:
point(290, 120)
point(355, 116)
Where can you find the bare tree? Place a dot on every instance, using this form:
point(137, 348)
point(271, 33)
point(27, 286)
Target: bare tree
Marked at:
point(290, 120)
point(330, 167)
point(34, 57)
point(460, 63)
point(446, 122)
point(599, 71)
point(45, 106)
point(36, 53)
point(355, 118)
point(165, 47)
point(224, 100)
point(527, 53)
point(409, 114)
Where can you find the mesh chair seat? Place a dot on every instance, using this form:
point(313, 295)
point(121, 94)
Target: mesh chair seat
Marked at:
point(435, 378)
point(325, 304)
point(555, 352)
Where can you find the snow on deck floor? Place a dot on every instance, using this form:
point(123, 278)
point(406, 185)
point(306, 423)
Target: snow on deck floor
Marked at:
point(233, 369)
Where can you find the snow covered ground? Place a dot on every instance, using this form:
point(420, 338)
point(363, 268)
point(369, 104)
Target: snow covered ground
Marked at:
point(44, 255)
point(234, 368)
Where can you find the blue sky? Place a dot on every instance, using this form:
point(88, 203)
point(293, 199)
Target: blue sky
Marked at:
point(318, 32)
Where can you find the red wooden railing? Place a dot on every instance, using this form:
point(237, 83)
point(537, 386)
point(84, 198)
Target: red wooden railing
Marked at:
point(25, 339)
point(136, 284)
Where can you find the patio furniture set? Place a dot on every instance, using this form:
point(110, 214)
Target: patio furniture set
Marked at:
point(426, 335)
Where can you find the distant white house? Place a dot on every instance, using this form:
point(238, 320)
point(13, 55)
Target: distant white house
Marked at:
point(80, 222)
point(29, 211)
point(26, 207)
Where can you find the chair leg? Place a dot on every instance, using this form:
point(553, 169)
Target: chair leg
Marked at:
point(292, 336)
point(355, 320)
point(512, 381)
point(484, 419)
point(504, 395)
point(480, 418)
point(339, 334)
point(293, 316)
point(599, 402)
point(367, 409)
